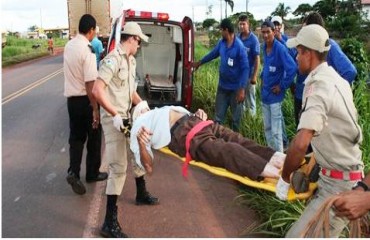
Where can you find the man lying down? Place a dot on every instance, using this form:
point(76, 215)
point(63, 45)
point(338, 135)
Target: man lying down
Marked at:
point(212, 143)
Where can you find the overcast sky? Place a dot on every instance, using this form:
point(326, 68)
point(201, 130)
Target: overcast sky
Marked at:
point(19, 15)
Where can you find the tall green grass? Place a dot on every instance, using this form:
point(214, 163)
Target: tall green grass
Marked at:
point(20, 49)
point(276, 216)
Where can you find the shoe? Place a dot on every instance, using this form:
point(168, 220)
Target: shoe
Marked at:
point(77, 186)
point(111, 227)
point(147, 199)
point(112, 232)
point(100, 177)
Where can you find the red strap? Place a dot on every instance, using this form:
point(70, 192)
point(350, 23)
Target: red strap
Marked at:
point(352, 175)
point(199, 126)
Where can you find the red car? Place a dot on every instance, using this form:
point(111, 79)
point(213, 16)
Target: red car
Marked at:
point(164, 65)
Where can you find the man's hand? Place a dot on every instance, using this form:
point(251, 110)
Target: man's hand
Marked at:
point(96, 119)
point(196, 65)
point(240, 96)
point(352, 204)
point(276, 89)
point(253, 80)
point(200, 113)
point(282, 189)
point(117, 122)
point(144, 135)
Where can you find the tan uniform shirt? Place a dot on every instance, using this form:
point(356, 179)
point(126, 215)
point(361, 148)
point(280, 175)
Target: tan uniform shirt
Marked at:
point(118, 71)
point(79, 66)
point(328, 109)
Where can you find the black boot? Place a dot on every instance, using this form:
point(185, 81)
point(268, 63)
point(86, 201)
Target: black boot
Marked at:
point(111, 227)
point(143, 197)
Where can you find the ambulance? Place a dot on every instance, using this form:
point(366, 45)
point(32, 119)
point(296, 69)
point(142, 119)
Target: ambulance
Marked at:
point(163, 65)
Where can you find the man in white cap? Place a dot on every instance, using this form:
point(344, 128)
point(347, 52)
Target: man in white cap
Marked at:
point(329, 122)
point(115, 92)
point(279, 31)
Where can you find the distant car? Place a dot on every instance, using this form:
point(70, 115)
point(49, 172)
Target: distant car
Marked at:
point(164, 73)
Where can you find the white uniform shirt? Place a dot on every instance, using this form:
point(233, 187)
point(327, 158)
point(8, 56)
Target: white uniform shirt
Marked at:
point(158, 122)
point(328, 109)
point(79, 66)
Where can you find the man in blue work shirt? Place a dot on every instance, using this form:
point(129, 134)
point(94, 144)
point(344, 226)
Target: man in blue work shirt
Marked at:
point(250, 41)
point(277, 75)
point(97, 46)
point(234, 72)
point(336, 58)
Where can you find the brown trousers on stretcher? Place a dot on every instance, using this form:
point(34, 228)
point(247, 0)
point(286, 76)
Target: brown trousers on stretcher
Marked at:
point(219, 146)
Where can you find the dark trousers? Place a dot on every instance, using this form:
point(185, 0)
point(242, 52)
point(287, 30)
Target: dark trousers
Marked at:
point(219, 146)
point(80, 123)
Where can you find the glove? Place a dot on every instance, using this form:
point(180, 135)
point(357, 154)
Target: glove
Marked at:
point(282, 189)
point(117, 122)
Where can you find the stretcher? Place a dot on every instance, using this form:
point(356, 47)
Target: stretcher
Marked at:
point(161, 84)
point(268, 184)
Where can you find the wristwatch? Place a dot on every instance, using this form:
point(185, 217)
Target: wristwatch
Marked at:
point(362, 185)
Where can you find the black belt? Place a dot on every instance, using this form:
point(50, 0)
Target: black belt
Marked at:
point(178, 122)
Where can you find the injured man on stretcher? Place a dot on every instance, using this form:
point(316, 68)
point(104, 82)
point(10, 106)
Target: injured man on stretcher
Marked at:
point(211, 142)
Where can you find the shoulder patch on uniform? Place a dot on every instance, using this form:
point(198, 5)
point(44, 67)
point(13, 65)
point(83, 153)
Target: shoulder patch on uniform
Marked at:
point(109, 63)
point(309, 90)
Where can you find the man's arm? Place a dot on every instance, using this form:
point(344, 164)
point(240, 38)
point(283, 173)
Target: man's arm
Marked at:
point(143, 139)
point(99, 93)
point(96, 117)
point(136, 98)
point(296, 152)
point(256, 69)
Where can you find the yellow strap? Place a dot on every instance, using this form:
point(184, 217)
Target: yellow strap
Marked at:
point(268, 184)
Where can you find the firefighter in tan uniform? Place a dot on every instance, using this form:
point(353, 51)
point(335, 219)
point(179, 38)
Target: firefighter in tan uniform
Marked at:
point(115, 91)
point(329, 122)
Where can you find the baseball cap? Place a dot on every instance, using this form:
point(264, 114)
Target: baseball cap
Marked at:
point(132, 28)
point(312, 36)
point(277, 19)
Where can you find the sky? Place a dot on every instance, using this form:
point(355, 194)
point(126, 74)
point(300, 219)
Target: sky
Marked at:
point(19, 15)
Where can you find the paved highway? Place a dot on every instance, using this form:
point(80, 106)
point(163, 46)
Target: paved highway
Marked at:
point(37, 201)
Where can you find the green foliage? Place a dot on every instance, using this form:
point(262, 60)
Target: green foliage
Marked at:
point(20, 49)
point(281, 11)
point(209, 22)
point(302, 10)
point(355, 51)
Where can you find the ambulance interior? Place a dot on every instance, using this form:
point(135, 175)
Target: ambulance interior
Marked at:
point(159, 70)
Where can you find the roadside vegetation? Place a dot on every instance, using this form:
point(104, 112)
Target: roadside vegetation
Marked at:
point(21, 49)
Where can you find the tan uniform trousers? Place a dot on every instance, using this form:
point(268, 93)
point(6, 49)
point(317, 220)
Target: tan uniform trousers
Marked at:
point(327, 187)
point(116, 154)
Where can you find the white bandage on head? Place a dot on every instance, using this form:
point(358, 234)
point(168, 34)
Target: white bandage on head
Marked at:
point(139, 109)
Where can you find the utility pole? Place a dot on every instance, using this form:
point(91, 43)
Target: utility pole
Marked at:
point(193, 13)
point(246, 5)
point(221, 10)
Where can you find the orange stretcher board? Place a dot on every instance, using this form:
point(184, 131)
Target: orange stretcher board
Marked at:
point(268, 184)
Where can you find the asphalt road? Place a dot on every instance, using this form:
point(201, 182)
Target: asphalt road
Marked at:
point(37, 201)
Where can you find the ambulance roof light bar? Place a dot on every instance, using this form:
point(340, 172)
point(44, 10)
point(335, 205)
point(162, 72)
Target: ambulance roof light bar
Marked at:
point(144, 14)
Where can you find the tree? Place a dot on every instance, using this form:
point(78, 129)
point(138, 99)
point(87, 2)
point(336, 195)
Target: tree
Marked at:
point(303, 10)
point(33, 28)
point(209, 11)
point(327, 8)
point(281, 11)
point(231, 4)
point(209, 22)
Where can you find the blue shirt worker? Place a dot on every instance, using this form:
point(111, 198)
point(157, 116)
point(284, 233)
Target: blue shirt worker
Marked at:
point(97, 45)
point(233, 74)
point(277, 75)
point(335, 58)
point(252, 45)
point(329, 122)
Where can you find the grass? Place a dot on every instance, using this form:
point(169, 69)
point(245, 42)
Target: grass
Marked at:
point(276, 216)
point(20, 49)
